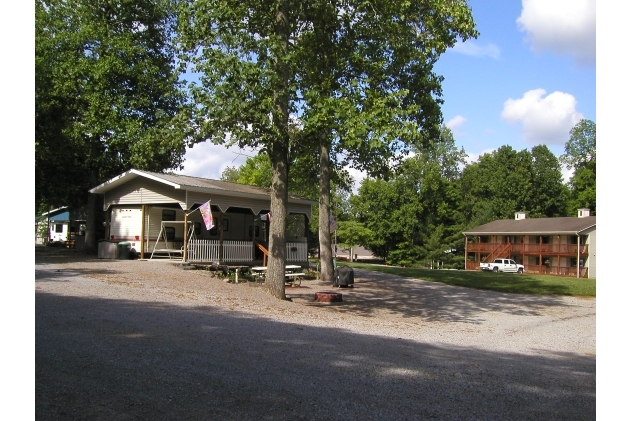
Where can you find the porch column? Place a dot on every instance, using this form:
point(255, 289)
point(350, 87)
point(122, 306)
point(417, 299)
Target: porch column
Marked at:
point(540, 256)
point(559, 256)
point(578, 256)
point(142, 232)
point(185, 236)
point(466, 254)
point(220, 228)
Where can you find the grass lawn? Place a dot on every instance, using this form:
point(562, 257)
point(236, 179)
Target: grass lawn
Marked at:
point(502, 282)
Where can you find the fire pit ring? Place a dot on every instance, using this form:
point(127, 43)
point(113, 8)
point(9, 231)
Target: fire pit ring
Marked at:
point(328, 297)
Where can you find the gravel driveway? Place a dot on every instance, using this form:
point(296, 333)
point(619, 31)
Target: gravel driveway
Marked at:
point(146, 340)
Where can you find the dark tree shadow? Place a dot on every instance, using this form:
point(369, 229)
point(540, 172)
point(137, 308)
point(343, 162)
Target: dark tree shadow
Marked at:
point(375, 292)
point(119, 359)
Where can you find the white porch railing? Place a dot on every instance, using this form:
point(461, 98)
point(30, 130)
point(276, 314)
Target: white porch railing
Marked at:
point(296, 252)
point(237, 251)
point(208, 251)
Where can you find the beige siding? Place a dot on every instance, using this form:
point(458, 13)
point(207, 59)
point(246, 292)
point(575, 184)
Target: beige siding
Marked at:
point(143, 191)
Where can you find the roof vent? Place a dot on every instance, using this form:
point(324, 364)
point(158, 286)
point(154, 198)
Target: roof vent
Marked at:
point(583, 212)
point(520, 216)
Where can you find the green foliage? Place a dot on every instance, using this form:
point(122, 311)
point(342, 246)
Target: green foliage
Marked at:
point(106, 94)
point(352, 233)
point(580, 155)
point(506, 181)
point(415, 216)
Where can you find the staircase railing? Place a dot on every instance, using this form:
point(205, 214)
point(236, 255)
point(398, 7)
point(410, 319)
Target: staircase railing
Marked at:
point(503, 250)
point(264, 250)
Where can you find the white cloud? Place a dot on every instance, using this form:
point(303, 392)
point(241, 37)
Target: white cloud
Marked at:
point(545, 120)
point(358, 176)
point(208, 160)
point(472, 48)
point(562, 27)
point(456, 122)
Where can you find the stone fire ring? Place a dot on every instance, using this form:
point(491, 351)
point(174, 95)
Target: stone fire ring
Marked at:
point(328, 297)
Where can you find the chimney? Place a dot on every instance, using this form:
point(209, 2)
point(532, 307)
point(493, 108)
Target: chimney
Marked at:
point(583, 212)
point(520, 216)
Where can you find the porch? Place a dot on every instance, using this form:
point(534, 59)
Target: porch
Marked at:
point(231, 251)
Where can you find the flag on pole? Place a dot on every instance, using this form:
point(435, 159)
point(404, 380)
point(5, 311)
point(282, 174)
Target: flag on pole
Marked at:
point(332, 223)
point(207, 215)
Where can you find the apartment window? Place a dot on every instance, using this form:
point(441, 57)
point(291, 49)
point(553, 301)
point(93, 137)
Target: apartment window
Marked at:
point(574, 239)
point(168, 214)
point(573, 262)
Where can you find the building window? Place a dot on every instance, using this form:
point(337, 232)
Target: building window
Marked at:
point(226, 225)
point(197, 227)
point(255, 230)
point(170, 233)
point(545, 239)
point(574, 239)
point(484, 239)
point(168, 214)
point(59, 228)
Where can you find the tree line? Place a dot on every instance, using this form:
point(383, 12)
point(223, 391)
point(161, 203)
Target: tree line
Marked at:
point(417, 214)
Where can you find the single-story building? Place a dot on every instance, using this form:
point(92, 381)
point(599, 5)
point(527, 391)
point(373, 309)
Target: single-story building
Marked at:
point(151, 210)
point(564, 246)
point(64, 225)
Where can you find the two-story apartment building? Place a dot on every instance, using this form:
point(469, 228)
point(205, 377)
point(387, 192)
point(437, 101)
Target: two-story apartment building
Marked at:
point(564, 246)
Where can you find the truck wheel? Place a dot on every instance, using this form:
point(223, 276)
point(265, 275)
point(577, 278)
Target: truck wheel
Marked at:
point(520, 271)
point(495, 269)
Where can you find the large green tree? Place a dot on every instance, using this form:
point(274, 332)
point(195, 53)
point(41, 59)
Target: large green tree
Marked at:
point(106, 96)
point(580, 156)
point(368, 85)
point(415, 215)
point(497, 185)
point(352, 70)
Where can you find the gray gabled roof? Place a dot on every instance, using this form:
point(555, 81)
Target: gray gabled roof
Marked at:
point(561, 225)
point(197, 184)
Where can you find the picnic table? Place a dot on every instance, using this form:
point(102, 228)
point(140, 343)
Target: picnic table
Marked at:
point(293, 275)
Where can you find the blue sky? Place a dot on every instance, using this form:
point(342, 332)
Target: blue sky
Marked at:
point(526, 80)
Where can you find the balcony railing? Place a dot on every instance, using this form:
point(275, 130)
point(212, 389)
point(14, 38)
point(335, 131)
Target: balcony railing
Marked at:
point(519, 248)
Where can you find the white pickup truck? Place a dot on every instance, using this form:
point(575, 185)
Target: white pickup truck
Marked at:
point(503, 265)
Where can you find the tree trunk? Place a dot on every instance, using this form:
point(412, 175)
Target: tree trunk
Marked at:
point(326, 256)
point(279, 156)
point(92, 215)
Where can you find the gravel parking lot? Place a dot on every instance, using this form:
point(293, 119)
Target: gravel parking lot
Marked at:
point(147, 340)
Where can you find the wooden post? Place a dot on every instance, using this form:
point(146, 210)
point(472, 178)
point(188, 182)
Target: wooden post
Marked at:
point(220, 228)
point(578, 256)
point(540, 257)
point(185, 236)
point(466, 254)
point(142, 233)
